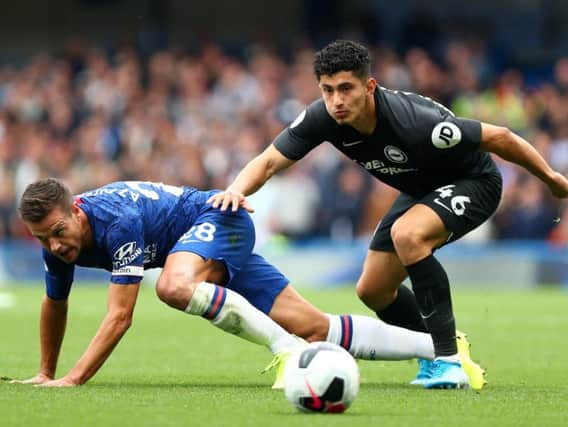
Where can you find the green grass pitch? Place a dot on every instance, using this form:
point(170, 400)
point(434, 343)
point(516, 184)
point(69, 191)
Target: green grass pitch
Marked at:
point(172, 369)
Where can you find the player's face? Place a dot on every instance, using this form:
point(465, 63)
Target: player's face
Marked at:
point(59, 233)
point(346, 96)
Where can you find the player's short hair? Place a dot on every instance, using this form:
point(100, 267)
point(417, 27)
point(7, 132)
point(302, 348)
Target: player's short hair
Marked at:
point(41, 197)
point(343, 55)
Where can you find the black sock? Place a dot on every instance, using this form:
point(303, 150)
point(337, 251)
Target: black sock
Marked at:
point(432, 289)
point(403, 312)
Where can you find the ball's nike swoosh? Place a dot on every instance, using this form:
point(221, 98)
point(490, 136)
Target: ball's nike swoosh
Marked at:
point(317, 403)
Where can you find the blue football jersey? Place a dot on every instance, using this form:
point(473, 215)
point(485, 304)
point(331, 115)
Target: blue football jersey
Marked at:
point(134, 225)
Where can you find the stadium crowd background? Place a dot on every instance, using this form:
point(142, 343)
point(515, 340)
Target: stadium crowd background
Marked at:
point(93, 113)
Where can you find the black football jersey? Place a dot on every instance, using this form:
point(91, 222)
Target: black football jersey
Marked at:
point(418, 145)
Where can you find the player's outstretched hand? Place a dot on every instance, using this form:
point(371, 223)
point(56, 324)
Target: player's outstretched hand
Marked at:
point(559, 185)
point(61, 382)
point(227, 198)
point(38, 379)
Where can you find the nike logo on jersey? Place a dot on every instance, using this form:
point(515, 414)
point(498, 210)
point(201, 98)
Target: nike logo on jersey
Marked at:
point(458, 204)
point(438, 202)
point(351, 144)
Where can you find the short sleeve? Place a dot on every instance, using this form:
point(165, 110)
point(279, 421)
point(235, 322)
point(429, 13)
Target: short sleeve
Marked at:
point(456, 134)
point(125, 244)
point(303, 134)
point(58, 276)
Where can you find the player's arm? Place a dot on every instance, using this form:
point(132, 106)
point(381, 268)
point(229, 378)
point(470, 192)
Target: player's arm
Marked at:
point(52, 330)
point(307, 131)
point(511, 147)
point(53, 319)
point(251, 179)
point(121, 302)
point(53, 316)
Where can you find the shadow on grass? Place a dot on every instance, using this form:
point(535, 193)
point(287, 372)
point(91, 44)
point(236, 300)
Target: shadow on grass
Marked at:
point(205, 384)
point(177, 384)
point(350, 413)
point(384, 385)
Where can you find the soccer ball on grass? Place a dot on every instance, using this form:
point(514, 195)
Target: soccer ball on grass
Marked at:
point(321, 377)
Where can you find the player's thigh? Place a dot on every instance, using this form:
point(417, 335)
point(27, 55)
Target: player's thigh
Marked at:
point(223, 240)
point(382, 274)
point(181, 274)
point(417, 233)
point(191, 268)
point(464, 204)
point(298, 316)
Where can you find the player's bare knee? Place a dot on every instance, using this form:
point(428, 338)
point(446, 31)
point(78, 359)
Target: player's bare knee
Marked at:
point(175, 288)
point(366, 293)
point(374, 298)
point(362, 291)
point(405, 238)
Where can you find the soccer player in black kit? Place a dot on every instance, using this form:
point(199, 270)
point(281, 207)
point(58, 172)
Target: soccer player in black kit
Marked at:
point(440, 163)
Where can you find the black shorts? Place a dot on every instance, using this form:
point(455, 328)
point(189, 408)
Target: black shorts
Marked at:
point(462, 205)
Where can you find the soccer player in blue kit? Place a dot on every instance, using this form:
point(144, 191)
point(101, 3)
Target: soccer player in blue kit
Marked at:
point(209, 270)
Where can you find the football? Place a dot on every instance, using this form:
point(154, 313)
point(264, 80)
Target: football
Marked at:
point(321, 377)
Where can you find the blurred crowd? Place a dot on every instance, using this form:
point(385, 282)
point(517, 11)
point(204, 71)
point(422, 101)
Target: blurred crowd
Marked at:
point(91, 116)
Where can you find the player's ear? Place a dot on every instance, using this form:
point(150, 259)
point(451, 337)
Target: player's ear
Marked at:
point(371, 85)
point(75, 207)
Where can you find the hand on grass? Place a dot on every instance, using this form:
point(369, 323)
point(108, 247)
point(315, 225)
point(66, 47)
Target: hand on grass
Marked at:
point(61, 382)
point(38, 379)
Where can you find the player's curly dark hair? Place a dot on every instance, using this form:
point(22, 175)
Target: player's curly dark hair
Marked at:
point(343, 55)
point(41, 197)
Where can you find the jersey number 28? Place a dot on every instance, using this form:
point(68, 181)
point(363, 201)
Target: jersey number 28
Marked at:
point(204, 232)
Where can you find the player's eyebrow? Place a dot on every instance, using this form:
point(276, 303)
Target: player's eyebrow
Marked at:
point(51, 229)
point(341, 85)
